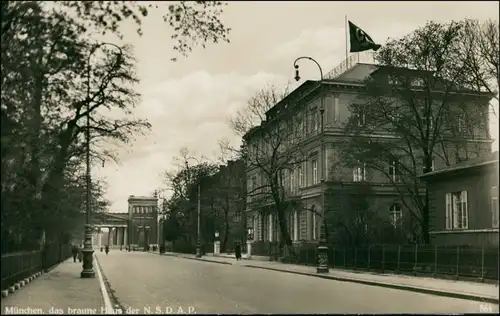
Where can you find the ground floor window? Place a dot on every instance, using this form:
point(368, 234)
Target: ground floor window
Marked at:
point(396, 215)
point(456, 210)
point(494, 207)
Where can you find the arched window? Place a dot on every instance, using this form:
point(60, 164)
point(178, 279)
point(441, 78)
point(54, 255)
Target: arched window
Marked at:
point(396, 214)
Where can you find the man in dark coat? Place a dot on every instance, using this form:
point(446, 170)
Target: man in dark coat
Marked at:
point(74, 252)
point(237, 251)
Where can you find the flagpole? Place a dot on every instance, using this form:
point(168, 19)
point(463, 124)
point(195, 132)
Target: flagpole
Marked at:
point(346, 39)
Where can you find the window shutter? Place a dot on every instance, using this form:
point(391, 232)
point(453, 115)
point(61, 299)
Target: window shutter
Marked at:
point(448, 211)
point(465, 210)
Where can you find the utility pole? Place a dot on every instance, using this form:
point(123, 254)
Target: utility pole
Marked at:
point(198, 239)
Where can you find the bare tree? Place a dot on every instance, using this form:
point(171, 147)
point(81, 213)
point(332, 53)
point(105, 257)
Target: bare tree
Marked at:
point(413, 109)
point(271, 154)
point(256, 108)
point(480, 55)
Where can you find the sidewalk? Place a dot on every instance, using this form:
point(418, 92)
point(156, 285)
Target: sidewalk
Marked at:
point(458, 289)
point(59, 291)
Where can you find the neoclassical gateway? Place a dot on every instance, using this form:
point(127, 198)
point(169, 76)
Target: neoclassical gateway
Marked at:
point(138, 227)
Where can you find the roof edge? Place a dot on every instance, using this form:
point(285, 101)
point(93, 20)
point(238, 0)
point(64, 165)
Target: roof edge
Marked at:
point(452, 169)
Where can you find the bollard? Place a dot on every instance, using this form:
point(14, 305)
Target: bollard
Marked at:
point(399, 258)
point(333, 257)
point(482, 263)
point(458, 260)
point(435, 260)
point(369, 251)
point(355, 257)
point(344, 259)
point(383, 257)
point(416, 260)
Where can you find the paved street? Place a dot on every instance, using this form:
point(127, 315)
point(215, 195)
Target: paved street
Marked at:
point(143, 280)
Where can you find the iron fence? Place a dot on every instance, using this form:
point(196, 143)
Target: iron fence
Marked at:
point(418, 260)
point(20, 265)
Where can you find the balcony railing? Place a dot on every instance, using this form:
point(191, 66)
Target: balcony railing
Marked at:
point(351, 61)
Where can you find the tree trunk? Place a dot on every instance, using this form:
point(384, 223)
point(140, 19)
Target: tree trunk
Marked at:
point(226, 232)
point(425, 219)
point(285, 235)
point(425, 211)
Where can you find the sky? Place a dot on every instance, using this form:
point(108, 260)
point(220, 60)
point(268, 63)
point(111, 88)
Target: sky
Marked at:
point(188, 102)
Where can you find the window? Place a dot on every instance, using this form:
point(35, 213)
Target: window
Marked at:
point(456, 210)
point(255, 150)
point(432, 166)
point(314, 226)
point(253, 183)
point(395, 215)
point(393, 80)
point(335, 108)
point(359, 172)
point(461, 123)
point(315, 120)
point(285, 179)
point(292, 180)
point(291, 224)
point(460, 156)
point(264, 224)
point(428, 125)
point(237, 216)
point(360, 118)
point(394, 172)
point(315, 171)
point(417, 82)
point(494, 207)
point(301, 177)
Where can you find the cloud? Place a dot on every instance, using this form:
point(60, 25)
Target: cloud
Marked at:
point(190, 112)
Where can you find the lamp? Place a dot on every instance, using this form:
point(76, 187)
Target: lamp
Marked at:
point(297, 76)
point(250, 233)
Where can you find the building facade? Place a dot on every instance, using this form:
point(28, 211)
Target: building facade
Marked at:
point(232, 185)
point(142, 221)
point(292, 131)
point(464, 203)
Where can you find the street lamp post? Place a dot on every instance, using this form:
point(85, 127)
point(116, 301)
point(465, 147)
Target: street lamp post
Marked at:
point(322, 245)
point(198, 238)
point(88, 269)
point(249, 242)
point(216, 243)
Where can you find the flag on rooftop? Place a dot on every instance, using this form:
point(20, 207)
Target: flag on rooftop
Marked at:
point(360, 41)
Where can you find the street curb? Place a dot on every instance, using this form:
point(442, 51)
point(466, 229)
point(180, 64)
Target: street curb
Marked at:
point(206, 260)
point(199, 259)
point(387, 285)
point(18, 285)
point(104, 291)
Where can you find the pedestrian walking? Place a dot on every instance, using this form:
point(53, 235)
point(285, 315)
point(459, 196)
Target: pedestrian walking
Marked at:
point(106, 250)
point(237, 251)
point(74, 252)
point(80, 253)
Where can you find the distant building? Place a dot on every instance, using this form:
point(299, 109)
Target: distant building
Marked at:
point(142, 220)
point(230, 202)
point(464, 203)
